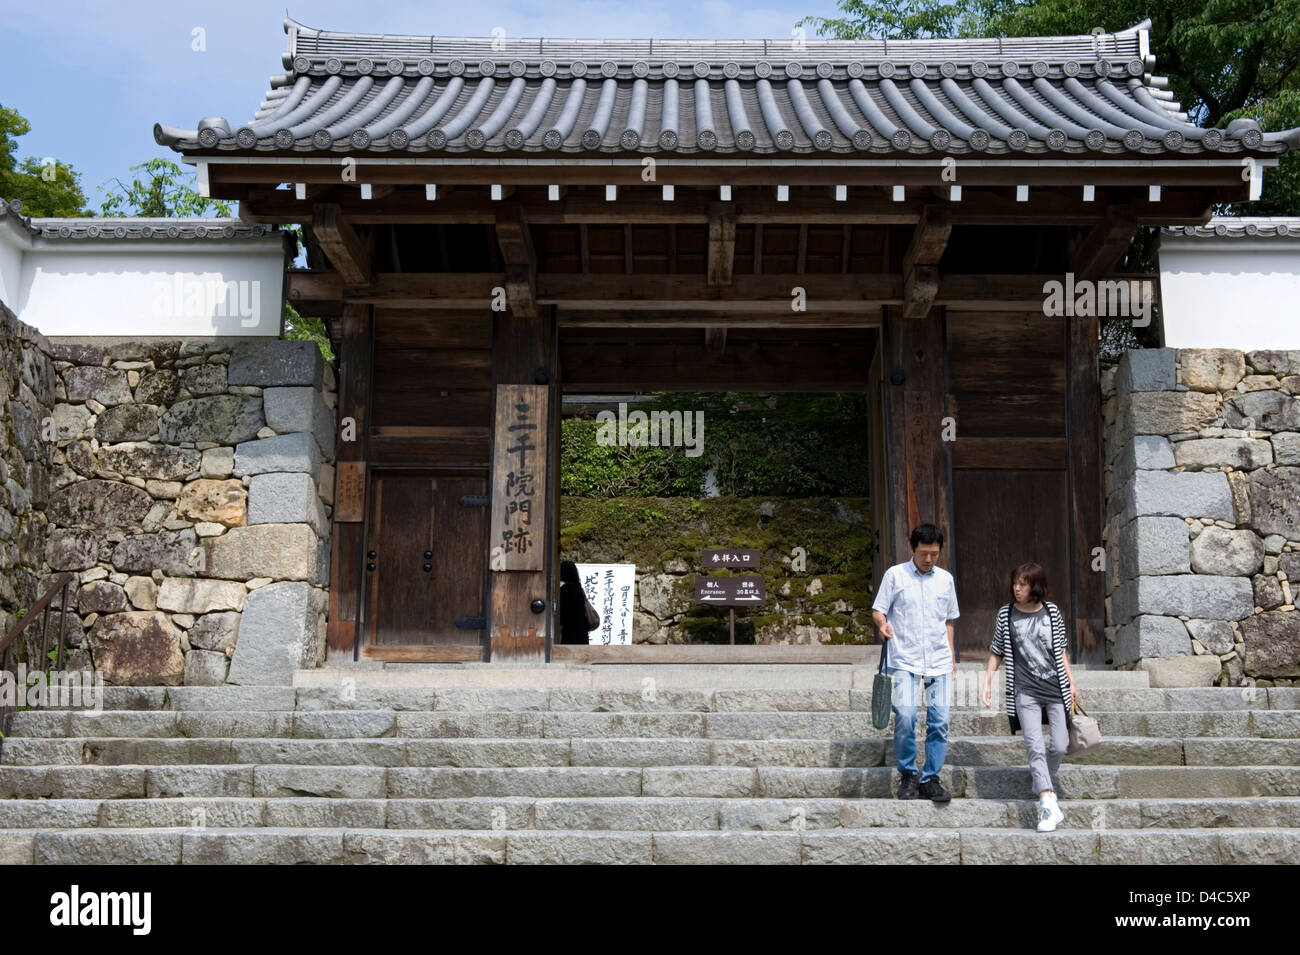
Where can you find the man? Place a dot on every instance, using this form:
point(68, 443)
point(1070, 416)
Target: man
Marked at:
point(914, 610)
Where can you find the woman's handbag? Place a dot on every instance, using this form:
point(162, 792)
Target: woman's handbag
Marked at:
point(882, 692)
point(593, 618)
point(1084, 733)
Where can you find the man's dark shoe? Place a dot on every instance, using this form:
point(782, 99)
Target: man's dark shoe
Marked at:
point(908, 786)
point(933, 789)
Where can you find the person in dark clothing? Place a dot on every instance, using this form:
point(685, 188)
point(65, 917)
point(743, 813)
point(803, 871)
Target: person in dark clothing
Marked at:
point(573, 605)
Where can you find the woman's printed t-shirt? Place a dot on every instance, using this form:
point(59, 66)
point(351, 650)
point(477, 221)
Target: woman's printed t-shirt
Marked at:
point(1031, 642)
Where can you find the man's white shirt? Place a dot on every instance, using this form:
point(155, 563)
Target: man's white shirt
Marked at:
point(917, 607)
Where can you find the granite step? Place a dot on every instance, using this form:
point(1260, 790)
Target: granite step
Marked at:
point(279, 845)
point(640, 813)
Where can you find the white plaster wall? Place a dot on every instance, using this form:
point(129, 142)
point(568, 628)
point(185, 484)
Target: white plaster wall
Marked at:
point(1241, 293)
point(142, 288)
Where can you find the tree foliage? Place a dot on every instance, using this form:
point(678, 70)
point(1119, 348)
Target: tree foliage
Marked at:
point(161, 189)
point(1225, 59)
point(45, 189)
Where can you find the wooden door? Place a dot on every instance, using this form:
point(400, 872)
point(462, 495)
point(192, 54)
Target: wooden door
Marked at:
point(882, 551)
point(426, 544)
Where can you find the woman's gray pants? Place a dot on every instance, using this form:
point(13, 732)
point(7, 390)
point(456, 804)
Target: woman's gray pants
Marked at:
point(1042, 764)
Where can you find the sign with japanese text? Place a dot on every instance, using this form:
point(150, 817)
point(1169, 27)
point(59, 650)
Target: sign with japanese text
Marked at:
point(748, 591)
point(517, 539)
point(611, 588)
point(731, 557)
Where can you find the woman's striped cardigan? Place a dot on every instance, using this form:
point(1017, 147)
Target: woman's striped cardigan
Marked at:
point(1001, 645)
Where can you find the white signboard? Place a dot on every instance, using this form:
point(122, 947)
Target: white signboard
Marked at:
point(611, 588)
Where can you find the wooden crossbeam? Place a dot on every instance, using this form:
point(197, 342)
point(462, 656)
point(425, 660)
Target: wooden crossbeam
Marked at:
point(347, 251)
point(646, 295)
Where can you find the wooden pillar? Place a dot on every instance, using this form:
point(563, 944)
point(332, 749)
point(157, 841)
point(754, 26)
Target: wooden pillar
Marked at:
point(525, 433)
point(347, 532)
point(1083, 439)
point(916, 398)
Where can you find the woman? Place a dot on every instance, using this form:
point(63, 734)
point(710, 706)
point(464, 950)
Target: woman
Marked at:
point(1040, 685)
point(573, 605)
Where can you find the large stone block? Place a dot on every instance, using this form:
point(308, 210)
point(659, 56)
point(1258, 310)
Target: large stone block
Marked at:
point(140, 647)
point(1275, 501)
point(158, 387)
point(217, 502)
point(1170, 412)
point(1194, 595)
point(1289, 564)
point(1286, 447)
point(1215, 635)
point(108, 386)
point(1272, 644)
point(1149, 369)
point(224, 419)
point(1227, 553)
point(269, 364)
point(205, 668)
point(1149, 636)
point(1200, 670)
point(190, 595)
point(101, 596)
point(1240, 453)
point(167, 551)
point(70, 421)
point(154, 462)
point(1263, 410)
point(68, 549)
point(1145, 452)
point(101, 505)
point(285, 452)
point(1154, 546)
point(280, 551)
point(291, 410)
point(1268, 361)
point(1180, 494)
point(206, 379)
point(1211, 369)
point(285, 498)
point(277, 634)
point(128, 422)
point(215, 631)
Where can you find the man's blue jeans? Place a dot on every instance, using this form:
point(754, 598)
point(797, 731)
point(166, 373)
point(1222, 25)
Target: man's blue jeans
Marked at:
point(910, 690)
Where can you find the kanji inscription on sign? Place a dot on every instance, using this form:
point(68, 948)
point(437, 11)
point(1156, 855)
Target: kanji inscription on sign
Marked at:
point(518, 535)
point(730, 557)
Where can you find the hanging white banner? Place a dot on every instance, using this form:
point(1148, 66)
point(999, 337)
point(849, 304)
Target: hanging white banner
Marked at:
point(611, 588)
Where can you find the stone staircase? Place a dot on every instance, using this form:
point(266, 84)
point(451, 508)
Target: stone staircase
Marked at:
point(631, 764)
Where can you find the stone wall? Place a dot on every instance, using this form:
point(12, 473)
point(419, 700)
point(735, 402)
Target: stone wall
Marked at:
point(190, 491)
point(1203, 515)
point(27, 385)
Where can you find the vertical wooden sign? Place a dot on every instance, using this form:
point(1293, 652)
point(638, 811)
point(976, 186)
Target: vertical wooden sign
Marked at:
point(518, 540)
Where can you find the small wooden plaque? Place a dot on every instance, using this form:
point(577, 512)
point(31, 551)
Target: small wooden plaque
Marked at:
point(350, 492)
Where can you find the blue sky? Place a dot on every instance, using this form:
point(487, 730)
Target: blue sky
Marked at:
point(93, 78)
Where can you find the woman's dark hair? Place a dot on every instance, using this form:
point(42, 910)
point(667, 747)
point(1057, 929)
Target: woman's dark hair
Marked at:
point(925, 534)
point(569, 572)
point(1035, 576)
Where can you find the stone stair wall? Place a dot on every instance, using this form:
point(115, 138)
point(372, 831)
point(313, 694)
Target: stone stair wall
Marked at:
point(189, 486)
point(708, 764)
point(1203, 515)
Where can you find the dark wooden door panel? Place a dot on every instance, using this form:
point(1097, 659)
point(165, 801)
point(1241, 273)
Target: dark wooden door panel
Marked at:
point(1004, 518)
point(429, 558)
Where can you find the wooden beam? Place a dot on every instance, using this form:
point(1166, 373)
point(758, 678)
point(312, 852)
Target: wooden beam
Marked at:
point(670, 654)
point(865, 317)
point(722, 243)
point(921, 260)
point(1103, 246)
point(833, 293)
point(1084, 431)
point(516, 242)
point(715, 339)
point(1026, 454)
point(346, 250)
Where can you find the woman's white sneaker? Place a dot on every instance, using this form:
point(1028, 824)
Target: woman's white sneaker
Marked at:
point(1049, 815)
